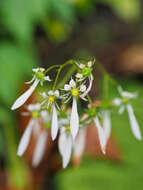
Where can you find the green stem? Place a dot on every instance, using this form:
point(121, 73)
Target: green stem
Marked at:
point(52, 67)
point(89, 99)
point(58, 74)
point(59, 71)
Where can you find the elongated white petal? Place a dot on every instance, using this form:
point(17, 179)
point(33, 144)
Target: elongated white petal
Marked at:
point(54, 128)
point(23, 98)
point(121, 110)
point(65, 147)
point(89, 88)
point(25, 138)
point(74, 121)
point(29, 82)
point(106, 125)
point(133, 122)
point(39, 149)
point(79, 143)
point(100, 134)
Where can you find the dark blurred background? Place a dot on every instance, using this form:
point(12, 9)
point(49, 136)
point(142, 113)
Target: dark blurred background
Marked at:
point(46, 32)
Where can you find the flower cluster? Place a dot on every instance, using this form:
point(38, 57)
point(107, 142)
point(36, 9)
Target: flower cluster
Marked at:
point(68, 111)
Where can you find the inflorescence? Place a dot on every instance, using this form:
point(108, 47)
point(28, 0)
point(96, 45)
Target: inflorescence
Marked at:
point(60, 112)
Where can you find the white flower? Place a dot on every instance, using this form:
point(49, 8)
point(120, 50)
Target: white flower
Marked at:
point(126, 96)
point(33, 123)
point(73, 92)
point(40, 148)
point(66, 143)
point(39, 76)
point(50, 98)
point(101, 134)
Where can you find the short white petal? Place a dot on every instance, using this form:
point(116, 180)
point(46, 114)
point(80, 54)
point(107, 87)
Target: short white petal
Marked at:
point(79, 143)
point(39, 149)
point(106, 125)
point(121, 110)
point(100, 134)
point(57, 93)
point(67, 87)
point(23, 98)
point(117, 101)
point(74, 121)
point(51, 93)
point(72, 83)
point(133, 122)
point(65, 147)
point(54, 128)
point(29, 82)
point(89, 88)
point(25, 138)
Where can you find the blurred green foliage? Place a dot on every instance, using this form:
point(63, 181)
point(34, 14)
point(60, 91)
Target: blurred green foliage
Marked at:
point(100, 174)
point(18, 54)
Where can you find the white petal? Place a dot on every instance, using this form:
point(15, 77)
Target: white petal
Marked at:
point(121, 110)
point(133, 122)
point(51, 93)
point(65, 147)
point(44, 95)
point(40, 149)
point(56, 93)
point(82, 88)
point(25, 138)
point(117, 101)
point(79, 143)
point(72, 83)
point(120, 90)
point(47, 78)
point(29, 82)
point(67, 87)
point(74, 121)
point(100, 134)
point(54, 128)
point(106, 125)
point(89, 88)
point(23, 98)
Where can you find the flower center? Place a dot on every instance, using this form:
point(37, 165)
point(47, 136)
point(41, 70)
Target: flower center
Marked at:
point(75, 92)
point(67, 128)
point(51, 99)
point(35, 114)
point(40, 75)
point(125, 100)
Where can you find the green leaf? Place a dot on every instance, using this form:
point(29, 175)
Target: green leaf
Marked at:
point(15, 62)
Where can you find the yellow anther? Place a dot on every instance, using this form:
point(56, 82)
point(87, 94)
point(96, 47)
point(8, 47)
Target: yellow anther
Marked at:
point(51, 99)
point(75, 92)
point(67, 128)
point(35, 114)
point(125, 100)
